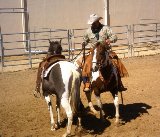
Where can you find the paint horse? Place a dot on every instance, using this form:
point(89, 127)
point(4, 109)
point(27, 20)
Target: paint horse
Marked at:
point(105, 77)
point(63, 80)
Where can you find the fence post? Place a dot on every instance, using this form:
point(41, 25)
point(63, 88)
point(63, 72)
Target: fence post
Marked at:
point(129, 41)
point(132, 45)
point(69, 43)
point(156, 32)
point(73, 43)
point(2, 50)
point(29, 49)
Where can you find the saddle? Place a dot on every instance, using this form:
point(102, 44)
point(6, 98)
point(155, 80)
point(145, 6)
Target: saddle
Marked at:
point(115, 60)
point(87, 66)
point(48, 61)
point(118, 63)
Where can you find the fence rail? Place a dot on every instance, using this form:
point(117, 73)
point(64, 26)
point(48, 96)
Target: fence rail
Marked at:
point(133, 40)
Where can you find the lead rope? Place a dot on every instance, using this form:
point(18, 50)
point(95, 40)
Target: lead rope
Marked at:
point(83, 48)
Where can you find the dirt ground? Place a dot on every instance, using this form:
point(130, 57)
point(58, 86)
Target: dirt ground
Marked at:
point(23, 115)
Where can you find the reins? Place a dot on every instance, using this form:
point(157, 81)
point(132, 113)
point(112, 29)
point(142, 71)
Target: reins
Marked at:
point(83, 49)
point(76, 56)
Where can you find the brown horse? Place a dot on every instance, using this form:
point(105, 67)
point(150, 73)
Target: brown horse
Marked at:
point(105, 77)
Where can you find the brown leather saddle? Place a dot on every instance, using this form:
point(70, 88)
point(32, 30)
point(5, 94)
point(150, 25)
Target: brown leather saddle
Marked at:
point(51, 60)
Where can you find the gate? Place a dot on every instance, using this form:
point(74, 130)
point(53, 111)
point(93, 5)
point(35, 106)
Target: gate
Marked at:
point(14, 54)
point(146, 39)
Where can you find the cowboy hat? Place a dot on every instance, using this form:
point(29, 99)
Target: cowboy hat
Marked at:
point(93, 18)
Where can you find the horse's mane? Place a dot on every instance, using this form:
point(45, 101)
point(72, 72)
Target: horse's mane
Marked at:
point(54, 47)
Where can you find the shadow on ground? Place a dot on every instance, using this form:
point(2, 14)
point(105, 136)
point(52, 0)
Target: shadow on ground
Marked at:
point(127, 112)
point(95, 126)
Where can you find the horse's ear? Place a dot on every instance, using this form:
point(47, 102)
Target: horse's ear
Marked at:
point(60, 41)
point(49, 41)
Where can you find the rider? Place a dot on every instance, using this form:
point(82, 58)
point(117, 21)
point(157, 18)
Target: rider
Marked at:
point(97, 32)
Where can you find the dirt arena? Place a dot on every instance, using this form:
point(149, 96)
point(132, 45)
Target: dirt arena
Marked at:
point(23, 115)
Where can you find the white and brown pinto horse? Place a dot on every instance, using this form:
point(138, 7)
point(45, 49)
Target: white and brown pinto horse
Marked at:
point(63, 80)
point(105, 77)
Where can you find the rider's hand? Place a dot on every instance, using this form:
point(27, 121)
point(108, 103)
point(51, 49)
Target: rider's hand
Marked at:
point(107, 42)
point(83, 44)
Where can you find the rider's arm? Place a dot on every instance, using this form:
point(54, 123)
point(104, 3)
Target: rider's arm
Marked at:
point(86, 38)
point(107, 35)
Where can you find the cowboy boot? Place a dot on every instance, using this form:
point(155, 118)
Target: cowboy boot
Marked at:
point(87, 86)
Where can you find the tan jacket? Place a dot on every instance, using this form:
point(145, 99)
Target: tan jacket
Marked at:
point(105, 33)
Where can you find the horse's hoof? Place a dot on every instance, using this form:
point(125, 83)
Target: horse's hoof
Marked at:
point(94, 111)
point(65, 135)
point(118, 124)
point(121, 123)
point(53, 129)
point(77, 131)
point(56, 126)
point(34, 93)
point(59, 124)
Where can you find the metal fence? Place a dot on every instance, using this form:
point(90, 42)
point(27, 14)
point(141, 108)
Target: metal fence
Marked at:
point(146, 38)
point(18, 53)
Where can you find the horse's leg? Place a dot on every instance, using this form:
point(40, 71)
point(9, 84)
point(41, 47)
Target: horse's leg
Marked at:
point(79, 122)
point(58, 112)
point(116, 103)
point(48, 100)
point(78, 129)
point(66, 105)
point(90, 104)
point(99, 103)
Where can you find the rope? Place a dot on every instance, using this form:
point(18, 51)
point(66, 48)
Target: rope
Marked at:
point(76, 56)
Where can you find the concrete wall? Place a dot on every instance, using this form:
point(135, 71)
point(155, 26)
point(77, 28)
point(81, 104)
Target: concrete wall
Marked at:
point(132, 11)
point(74, 13)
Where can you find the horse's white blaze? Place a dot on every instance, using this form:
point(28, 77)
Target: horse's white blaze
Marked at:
point(94, 60)
point(95, 75)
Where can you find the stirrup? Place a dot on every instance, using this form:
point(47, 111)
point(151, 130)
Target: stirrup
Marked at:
point(86, 89)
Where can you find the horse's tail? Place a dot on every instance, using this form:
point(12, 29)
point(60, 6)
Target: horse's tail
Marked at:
point(76, 103)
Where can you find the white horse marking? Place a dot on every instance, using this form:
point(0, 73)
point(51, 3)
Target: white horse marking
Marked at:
point(48, 100)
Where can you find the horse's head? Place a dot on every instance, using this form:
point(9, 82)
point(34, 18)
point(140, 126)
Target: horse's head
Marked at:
point(54, 48)
point(101, 55)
